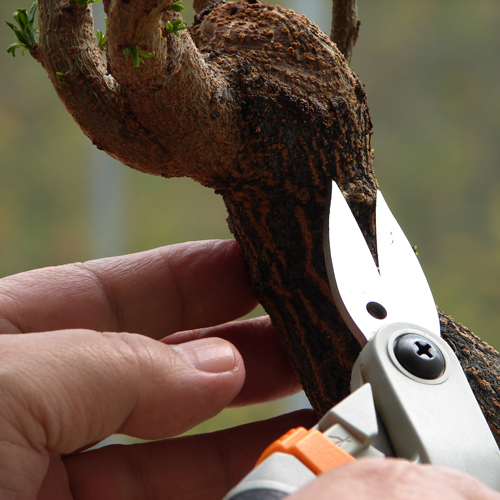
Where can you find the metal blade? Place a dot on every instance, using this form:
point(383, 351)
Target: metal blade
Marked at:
point(411, 296)
point(353, 275)
point(369, 298)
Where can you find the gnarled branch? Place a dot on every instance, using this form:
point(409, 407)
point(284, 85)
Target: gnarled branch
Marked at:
point(142, 116)
point(258, 103)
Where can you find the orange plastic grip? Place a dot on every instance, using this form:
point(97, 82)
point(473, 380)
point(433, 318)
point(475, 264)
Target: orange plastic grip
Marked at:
point(312, 448)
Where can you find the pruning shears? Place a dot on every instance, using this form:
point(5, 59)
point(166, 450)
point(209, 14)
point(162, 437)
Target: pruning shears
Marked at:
point(410, 397)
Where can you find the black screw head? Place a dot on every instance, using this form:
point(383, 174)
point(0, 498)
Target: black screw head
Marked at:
point(419, 356)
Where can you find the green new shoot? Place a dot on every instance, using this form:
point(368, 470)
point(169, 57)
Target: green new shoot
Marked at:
point(137, 55)
point(177, 6)
point(102, 38)
point(175, 26)
point(84, 3)
point(26, 32)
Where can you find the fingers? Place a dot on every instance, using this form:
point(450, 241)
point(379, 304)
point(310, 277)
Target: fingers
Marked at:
point(392, 479)
point(207, 466)
point(269, 374)
point(72, 388)
point(186, 468)
point(154, 293)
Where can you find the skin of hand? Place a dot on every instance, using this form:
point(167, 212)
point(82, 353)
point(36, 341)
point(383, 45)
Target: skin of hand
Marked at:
point(70, 376)
point(394, 479)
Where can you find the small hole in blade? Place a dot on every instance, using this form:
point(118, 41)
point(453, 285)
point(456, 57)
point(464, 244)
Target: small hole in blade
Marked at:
point(376, 310)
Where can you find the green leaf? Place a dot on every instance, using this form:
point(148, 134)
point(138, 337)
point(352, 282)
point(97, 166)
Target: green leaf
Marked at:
point(19, 34)
point(12, 48)
point(175, 26)
point(101, 38)
point(84, 3)
point(21, 17)
point(26, 32)
point(31, 18)
point(136, 59)
point(59, 75)
point(137, 55)
point(177, 6)
point(21, 37)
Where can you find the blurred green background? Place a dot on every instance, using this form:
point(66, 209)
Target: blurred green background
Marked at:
point(432, 74)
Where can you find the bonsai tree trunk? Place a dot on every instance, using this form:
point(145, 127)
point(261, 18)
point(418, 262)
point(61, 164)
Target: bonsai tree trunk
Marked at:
point(256, 102)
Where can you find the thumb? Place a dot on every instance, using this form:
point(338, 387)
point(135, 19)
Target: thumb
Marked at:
point(60, 391)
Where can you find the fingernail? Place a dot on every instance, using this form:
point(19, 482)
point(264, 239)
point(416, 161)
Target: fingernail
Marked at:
point(212, 355)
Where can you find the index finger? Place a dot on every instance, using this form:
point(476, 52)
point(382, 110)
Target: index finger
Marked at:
point(155, 293)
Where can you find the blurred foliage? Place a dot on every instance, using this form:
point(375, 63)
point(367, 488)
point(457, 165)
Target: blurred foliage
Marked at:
point(432, 75)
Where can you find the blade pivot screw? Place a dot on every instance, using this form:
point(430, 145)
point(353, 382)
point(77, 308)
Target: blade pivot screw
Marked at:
point(419, 356)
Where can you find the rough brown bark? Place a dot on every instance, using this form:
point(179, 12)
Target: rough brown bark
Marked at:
point(301, 124)
point(258, 103)
point(143, 116)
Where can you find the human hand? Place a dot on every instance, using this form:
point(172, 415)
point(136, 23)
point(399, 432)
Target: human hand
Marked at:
point(394, 479)
point(72, 385)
